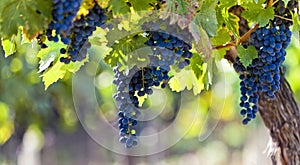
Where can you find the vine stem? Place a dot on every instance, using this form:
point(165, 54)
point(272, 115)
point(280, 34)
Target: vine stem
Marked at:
point(283, 18)
point(270, 3)
point(240, 40)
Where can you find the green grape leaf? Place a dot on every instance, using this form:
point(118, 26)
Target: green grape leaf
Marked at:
point(118, 7)
point(51, 55)
point(207, 17)
point(9, 46)
point(186, 79)
point(247, 55)
point(139, 57)
point(113, 35)
point(197, 63)
point(227, 18)
point(122, 51)
point(139, 5)
point(194, 30)
point(296, 22)
point(256, 13)
point(59, 70)
point(53, 74)
point(181, 6)
point(32, 15)
point(203, 45)
point(222, 37)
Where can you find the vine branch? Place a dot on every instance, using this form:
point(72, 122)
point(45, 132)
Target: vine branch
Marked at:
point(240, 40)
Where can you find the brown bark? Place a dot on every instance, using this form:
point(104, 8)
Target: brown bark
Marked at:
point(282, 117)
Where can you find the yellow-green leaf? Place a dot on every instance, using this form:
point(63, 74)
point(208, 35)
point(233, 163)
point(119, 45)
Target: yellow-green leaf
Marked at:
point(9, 46)
point(186, 79)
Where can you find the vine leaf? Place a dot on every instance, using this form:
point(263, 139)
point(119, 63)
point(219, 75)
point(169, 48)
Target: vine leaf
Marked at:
point(203, 45)
point(53, 74)
point(139, 5)
point(58, 70)
point(227, 18)
point(296, 22)
point(123, 51)
point(197, 65)
point(247, 55)
point(222, 37)
point(49, 54)
point(139, 57)
point(207, 17)
point(186, 79)
point(32, 15)
point(9, 46)
point(256, 13)
point(118, 7)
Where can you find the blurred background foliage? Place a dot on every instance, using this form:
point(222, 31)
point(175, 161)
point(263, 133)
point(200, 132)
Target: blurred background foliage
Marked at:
point(41, 127)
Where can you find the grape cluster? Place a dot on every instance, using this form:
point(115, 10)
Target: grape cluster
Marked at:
point(281, 10)
point(168, 50)
point(262, 76)
point(137, 83)
point(72, 31)
point(143, 80)
point(83, 29)
point(63, 15)
point(128, 113)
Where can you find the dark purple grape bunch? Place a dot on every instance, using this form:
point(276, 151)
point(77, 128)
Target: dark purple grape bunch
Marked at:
point(284, 11)
point(137, 83)
point(63, 15)
point(169, 50)
point(142, 82)
point(82, 30)
point(262, 76)
point(128, 112)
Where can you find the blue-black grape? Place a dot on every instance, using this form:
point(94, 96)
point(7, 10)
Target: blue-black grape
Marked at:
point(82, 30)
point(262, 76)
point(71, 30)
point(63, 15)
point(284, 11)
point(167, 50)
point(128, 113)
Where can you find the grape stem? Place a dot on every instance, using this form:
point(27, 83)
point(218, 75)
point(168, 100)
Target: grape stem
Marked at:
point(283, 18)
point(240, 40)
point(270, 3)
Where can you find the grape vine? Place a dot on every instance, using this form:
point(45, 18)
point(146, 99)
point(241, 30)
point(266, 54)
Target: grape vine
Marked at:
point(262, 76)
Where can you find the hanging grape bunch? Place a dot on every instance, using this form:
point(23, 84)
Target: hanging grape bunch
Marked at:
point(167, 51)
point(71, 29)
point(262, 76)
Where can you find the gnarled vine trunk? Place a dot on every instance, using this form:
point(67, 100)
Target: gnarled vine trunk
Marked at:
point(282, 117)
